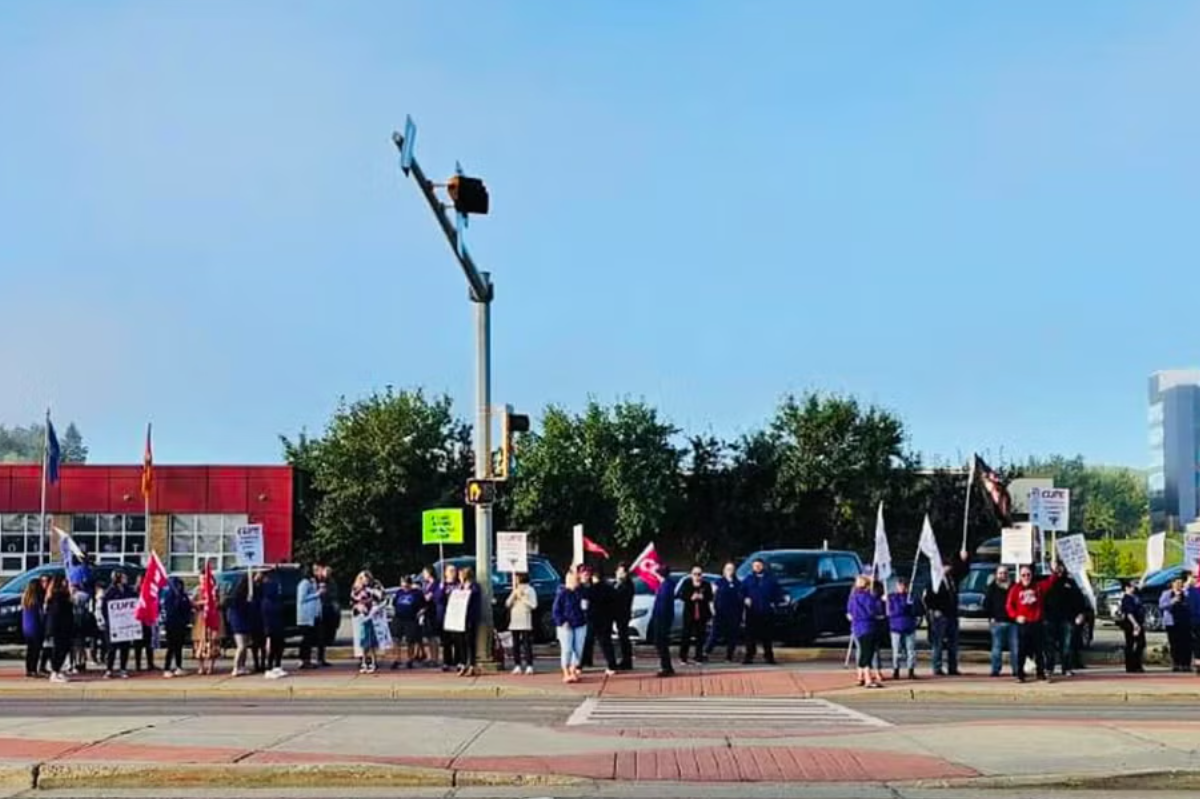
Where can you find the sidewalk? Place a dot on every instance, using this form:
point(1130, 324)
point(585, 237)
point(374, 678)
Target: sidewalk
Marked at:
point(180, 749)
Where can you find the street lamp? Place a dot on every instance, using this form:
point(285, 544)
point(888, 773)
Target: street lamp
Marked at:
point(469, 196)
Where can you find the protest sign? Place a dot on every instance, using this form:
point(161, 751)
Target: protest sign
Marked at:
point(123, 625)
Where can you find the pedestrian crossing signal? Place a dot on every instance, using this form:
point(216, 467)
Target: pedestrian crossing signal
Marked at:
point(481, 492)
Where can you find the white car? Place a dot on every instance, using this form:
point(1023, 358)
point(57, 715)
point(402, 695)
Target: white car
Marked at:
point(643, 605)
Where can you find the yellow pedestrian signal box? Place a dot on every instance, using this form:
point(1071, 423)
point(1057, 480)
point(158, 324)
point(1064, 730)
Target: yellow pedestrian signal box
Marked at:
point(481, 492)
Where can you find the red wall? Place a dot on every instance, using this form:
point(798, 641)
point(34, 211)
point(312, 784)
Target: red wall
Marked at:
point(263, 492)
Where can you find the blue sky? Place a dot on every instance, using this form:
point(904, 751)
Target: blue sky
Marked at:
point(981, 216)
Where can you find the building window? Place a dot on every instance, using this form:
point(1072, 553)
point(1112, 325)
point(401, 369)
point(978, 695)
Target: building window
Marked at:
point(20, 544)
point(196, 539)
point(111, 537)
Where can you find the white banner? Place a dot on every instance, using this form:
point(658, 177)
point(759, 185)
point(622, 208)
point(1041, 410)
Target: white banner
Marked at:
point(1155, 552)
point(928, 547)
point(881, 563)
point(1072, 551)
point(383, 632)
point(123, 625)
point(512, 552)
point(456, 611)
point(249, 545)
point(1016, 546)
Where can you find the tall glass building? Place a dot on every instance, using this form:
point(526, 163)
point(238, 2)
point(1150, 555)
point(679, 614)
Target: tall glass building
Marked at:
point(1174, 480)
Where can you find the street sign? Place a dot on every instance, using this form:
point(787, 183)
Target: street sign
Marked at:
point(442, 526)
point(481, 492)
point(1050, 508)
point(248, 541)
point(512, 552)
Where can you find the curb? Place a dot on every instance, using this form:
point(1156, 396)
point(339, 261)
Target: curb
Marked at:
point(1142, 781)
point(304, 693)
point(18, 776)
point(1006, 696)
point(67, 776)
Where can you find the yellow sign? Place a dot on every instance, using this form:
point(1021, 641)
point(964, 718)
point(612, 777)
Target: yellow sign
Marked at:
point(442, 526)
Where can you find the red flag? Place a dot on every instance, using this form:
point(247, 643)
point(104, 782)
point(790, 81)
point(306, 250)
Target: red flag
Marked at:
point(208, 595)
point(153, 582)
point(591, 546)
point(646, 567)
point(147, 469)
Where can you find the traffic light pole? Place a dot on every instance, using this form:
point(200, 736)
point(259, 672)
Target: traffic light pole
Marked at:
point(481, 292)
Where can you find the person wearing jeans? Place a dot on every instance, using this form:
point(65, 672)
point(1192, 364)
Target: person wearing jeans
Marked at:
point(903, 612)
point(943, 613)
point(1000, 624)
point(570, 622)
point(308, 618)
point(1065, 607)
point(1027, 607)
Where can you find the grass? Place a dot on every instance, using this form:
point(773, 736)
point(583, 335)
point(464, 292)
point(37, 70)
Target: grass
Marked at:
point(1135, 548)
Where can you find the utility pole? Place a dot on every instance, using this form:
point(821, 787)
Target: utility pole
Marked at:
point(470, 197)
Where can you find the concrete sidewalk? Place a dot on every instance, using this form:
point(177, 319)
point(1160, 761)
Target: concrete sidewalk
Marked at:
point(183, 749)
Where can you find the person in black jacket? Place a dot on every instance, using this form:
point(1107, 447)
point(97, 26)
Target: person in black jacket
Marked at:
point(728, 610)
point(1065, 608)
point(696, 593)
point(60, 626)
point(586, 586)
point(623, 593)
point(602, 600)
point(1133, 624)
point(942, 606)
point(662, 619)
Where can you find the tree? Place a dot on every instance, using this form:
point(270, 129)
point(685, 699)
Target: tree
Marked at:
point(1103, 499)
point(27, 444)
point(73, 448)
point(381, 461)
point(1107, 556)
point(613, 469)
point(836, 461)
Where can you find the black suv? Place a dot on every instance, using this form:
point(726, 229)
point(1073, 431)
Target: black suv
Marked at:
point(816, 585)
point(544, 579)
point(10, 592)
point(288, 576)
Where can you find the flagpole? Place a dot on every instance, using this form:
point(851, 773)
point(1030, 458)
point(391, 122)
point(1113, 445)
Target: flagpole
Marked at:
point(967, 507)
point(42, 543)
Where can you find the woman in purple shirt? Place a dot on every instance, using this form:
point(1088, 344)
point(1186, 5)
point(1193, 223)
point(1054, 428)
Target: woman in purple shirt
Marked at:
point(865, 610)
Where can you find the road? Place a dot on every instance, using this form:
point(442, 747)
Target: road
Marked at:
point(555, 711)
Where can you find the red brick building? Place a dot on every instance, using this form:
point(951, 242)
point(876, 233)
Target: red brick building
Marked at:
point(194, 511)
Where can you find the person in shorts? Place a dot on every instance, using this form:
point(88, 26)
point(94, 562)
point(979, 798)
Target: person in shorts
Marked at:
point(407, 605)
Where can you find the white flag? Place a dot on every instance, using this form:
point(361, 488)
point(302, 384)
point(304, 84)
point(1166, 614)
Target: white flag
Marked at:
point(929, 548)
point(1155, 552)
point(881, 564)
point(67, 544)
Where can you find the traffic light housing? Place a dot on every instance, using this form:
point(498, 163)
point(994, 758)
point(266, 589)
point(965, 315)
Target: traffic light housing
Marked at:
point(480, 492)
point(509, 423)
point(470, 196)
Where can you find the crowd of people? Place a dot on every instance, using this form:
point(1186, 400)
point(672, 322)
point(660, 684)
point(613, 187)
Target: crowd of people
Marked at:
point(433, 621)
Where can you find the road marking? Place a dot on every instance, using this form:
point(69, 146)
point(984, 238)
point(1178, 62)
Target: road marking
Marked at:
point(731, 711)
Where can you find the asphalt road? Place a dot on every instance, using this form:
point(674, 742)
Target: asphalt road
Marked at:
point(552, 711)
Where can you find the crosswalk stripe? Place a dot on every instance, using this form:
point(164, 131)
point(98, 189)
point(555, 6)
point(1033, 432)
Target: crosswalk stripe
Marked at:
point(723, 710)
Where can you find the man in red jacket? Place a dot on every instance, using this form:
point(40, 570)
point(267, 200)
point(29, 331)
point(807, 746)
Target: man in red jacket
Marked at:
point(1026, 606)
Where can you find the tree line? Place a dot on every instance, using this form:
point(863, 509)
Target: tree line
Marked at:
point(812, 475)
point(26, 444)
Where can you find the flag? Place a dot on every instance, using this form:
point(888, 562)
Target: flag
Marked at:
point(1155, 552)
point(153, 582)
point(994, 487)
point(881, 564)
point(67, 547)
point(646, 567)
point(208, 595)
point(147, 468)
point(591, 546)
point(929, 548)
point(53, 453)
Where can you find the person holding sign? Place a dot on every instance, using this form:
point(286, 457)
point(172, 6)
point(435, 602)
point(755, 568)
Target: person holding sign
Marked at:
point(118, 644)
point(464, 605)
point(521, 603)
point(366, 594)
point(1065, 610)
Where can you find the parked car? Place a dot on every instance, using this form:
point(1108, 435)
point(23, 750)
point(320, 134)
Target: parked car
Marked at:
point(544, 579)
point(289, 576)
point(10, 592)
point(816, 584)
point(643, 604)
point(1151, 591)
point(973, 621)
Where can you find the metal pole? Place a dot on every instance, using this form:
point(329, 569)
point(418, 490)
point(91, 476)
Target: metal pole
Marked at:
point(483, 462)
point(967, 505)
point(43, 535)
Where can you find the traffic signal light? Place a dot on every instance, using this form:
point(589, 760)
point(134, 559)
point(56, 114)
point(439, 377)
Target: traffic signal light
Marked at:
point(481, 492)
point(470, 196)
point(509, 423)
